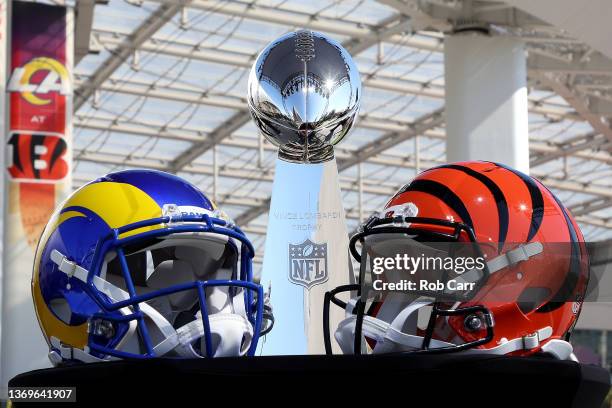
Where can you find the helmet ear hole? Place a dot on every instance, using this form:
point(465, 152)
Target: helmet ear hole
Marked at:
point(532, 297)
point(61, 309)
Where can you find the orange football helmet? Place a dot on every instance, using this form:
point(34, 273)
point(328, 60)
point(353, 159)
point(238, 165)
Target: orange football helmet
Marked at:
point(525, 299)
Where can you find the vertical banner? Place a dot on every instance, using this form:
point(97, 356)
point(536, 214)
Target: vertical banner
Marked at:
point(3, 127)
point(37, 167)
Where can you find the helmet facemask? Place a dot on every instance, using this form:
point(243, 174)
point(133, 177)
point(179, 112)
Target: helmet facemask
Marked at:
point(397, 321)
point(183, 288)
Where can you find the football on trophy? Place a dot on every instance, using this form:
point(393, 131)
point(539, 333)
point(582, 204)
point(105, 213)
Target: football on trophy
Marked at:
point(304, 93)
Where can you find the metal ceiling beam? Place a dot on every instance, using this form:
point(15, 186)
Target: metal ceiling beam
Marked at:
point(236, 140)
point(601, 105)
point(442, 17)
point(244, 58)
point(242, 117)
point(143, 32)
point(179, 48)
point(250, 173)
point(266, 174)
point(229, 126)
point(596, 64)
point(590, 206)
point(184, 133)
point(170, 93)
point(137, 129)
point(375, 147)
point(111, 123)
point(187, 93)
point(396, 24)
point(595, 221)
point(575, 100)
point(574, 186)
point(422, 20)
point(304, 19)
point(538, 64)
point(378, 81)
point(191, 94)
point(282, 17)
point(389, 140)
point(347, 184)
point(118, 156)
point(590, 140)
point(185, 48)
point(537, 148)
point(198, 137)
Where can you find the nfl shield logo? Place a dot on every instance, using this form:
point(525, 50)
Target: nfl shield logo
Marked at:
point(308, 263)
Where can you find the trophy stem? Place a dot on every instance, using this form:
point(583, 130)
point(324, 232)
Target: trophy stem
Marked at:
point(315, 153)
point(306, 254)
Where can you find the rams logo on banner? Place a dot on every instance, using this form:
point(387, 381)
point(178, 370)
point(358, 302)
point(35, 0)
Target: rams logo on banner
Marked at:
point(308, 263)
point(37, 79)
point(37, 157)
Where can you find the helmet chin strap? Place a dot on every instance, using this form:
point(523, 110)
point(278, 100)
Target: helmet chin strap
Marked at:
point(231, 333)
point(389, 337)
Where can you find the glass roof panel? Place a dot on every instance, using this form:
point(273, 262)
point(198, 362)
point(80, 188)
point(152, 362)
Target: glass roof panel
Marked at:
point(190, 77)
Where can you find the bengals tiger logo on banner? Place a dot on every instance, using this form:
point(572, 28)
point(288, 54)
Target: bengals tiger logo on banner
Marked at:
point(37, 157)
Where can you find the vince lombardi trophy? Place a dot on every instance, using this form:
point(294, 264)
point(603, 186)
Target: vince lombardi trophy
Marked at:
point(304, 94)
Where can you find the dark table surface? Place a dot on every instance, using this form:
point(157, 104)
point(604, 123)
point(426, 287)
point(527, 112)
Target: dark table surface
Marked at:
point(434, 380)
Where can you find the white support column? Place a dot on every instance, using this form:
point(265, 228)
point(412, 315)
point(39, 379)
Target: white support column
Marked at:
point(486, 100)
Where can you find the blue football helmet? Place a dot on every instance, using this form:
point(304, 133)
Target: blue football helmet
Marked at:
point(140, 264)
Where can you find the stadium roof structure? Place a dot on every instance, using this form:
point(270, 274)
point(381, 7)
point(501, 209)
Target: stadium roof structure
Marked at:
point(162, 84)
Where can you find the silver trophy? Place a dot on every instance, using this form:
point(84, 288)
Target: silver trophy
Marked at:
point(304, 94)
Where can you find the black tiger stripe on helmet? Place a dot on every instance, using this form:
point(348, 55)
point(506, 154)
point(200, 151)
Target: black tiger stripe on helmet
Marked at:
point(498, 195)
point(537, 201)
point(573, 275)
point(537, 216)
point(444, 194)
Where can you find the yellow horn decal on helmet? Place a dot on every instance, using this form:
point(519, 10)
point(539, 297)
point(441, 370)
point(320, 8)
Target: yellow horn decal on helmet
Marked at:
point(118, 204)
point(75, 336)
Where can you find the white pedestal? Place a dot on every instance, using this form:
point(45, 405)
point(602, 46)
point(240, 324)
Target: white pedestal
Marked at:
point(306, 254)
